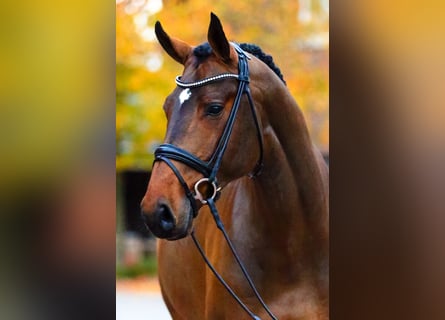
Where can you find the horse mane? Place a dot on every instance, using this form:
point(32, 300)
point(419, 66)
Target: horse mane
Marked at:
point(204, 50)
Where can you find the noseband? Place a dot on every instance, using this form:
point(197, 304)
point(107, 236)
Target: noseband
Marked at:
point(209, 169)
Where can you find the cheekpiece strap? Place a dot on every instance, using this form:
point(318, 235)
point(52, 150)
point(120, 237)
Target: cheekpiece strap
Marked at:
point(240, 51)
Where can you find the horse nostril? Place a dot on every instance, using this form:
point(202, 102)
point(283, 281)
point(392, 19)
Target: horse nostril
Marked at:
point(166, 219)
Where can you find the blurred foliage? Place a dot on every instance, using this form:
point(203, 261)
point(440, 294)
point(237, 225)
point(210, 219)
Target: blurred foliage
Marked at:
point(294, 32)
point(146, 267)
point(55, 82)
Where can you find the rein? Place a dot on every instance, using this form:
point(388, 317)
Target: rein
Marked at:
point(168, 152)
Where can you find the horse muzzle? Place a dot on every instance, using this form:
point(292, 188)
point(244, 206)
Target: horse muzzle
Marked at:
point(163, 223)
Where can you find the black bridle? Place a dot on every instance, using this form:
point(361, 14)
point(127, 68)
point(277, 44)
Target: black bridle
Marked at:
point(209, 169)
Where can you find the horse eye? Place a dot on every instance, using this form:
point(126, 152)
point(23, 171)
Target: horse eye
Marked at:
point(214, 109)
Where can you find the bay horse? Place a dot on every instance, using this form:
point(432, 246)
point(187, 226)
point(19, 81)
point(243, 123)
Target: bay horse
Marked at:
point(237, 152)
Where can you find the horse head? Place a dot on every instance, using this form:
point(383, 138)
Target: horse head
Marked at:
point(197, 112)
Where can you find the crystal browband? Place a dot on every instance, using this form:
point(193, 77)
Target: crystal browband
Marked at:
point(205, 81)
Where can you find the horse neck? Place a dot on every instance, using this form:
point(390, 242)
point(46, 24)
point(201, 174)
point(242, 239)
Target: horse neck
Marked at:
point(286, 124)
point(291, 193)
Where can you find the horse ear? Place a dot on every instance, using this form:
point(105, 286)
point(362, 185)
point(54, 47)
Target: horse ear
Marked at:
point(177, 49)
point(217, 39)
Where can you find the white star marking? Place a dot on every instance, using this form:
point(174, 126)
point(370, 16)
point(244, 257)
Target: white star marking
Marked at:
point(185, 95)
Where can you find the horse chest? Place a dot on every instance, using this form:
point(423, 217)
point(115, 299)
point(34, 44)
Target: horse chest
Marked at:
point(192, 292)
